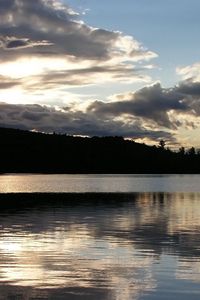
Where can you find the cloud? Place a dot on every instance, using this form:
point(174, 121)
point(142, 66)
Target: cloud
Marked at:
point(191, 72)
point(47, 30)
point(7, 82)
point(189, 87)
point(151, 103)
point(46, 48)
point(12, 43)
point(84, 76)
point(150, 113)
point(48, 119)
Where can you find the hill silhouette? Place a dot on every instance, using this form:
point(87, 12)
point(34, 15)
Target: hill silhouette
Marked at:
point(31, 152)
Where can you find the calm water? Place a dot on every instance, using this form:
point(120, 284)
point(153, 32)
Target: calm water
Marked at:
point(145, 246)
point(99, 183)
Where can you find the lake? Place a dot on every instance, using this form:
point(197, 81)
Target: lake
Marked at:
point(141, 245)
point(99, 183)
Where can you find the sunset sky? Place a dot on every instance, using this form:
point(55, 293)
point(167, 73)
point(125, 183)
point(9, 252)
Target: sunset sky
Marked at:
point(90, 67)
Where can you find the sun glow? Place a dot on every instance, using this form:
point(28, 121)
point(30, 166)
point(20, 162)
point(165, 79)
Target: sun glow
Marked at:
point(35, 66)
point(13, 96)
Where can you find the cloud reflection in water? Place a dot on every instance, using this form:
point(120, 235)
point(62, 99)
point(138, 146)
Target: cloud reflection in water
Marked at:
point(104, 250)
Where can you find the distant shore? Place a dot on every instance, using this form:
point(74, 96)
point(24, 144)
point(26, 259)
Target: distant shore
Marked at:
point(31, 152)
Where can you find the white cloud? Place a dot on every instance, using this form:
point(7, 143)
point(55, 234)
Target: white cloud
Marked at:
point(191, 72)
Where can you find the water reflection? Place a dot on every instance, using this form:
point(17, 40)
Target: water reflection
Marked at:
point(116, 250)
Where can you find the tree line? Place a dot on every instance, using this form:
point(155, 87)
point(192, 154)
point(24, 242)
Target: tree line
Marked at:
point(31, 152)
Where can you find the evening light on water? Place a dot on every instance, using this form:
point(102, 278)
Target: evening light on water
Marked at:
point(94, 244)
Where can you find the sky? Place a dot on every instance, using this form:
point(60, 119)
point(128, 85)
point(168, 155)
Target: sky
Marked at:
point(102, 68)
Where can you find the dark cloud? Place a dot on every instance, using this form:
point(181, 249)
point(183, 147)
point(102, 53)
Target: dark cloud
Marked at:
point(11, 43)
point(191, 93)
point(17, 44)
point(189, 87)
point(5, 4)
point(152, 103)
point(48, 119)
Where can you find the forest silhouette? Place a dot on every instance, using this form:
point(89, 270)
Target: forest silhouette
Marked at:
point(32, 152)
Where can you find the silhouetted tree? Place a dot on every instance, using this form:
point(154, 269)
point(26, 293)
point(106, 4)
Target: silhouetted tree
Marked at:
point(191, 151)
point(181, 150)
point(162, 144)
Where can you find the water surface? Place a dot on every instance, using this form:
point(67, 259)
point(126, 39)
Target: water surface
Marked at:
point(140, 244)
point(99, 183)
point(144, 247)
